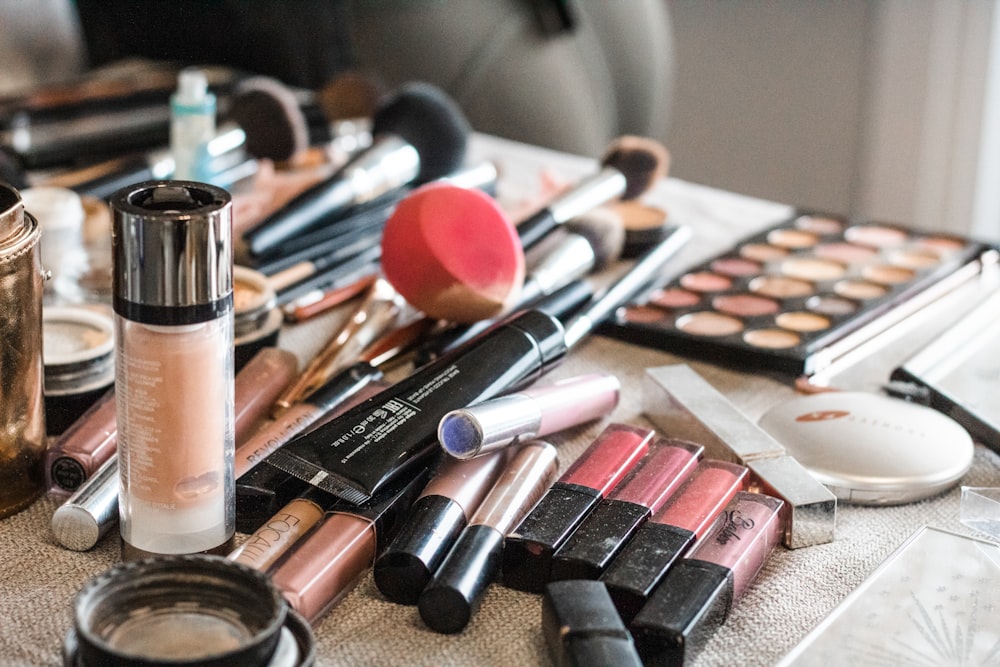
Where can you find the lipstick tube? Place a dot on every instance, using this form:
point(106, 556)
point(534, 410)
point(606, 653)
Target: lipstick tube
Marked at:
point(438, 517)
point(453, 596)
point(670, 533)
point(323, 567)
point(173, 302)
point(532, 413)
point(660, 473)
point(699, 591)
point(528, 550)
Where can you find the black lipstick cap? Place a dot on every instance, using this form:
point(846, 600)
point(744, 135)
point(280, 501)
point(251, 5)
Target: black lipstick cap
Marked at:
point(409, 562)
point(643, 563)
point(448, 603)
point(592, 546)
point(581, 626)
point(529, 548)
point(687, 607)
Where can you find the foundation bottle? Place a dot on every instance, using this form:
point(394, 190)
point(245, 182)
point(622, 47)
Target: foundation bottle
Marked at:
point(173, 302)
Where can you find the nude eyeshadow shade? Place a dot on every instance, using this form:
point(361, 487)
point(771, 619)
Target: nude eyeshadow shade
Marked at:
point(786, 298)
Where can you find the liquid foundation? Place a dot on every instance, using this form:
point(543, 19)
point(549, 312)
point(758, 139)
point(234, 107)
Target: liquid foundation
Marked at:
point(172, 249)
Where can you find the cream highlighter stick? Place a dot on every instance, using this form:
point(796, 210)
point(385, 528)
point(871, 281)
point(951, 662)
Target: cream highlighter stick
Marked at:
point(173, 301)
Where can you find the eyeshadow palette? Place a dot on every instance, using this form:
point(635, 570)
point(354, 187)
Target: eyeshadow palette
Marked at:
point(800, 295)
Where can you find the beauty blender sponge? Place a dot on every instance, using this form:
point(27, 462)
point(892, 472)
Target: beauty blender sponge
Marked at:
point(452, 253)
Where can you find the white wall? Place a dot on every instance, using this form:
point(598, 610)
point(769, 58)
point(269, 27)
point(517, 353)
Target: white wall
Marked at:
point(875, 109)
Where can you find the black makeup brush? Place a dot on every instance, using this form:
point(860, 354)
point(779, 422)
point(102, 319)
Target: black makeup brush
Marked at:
point(629, 167)
point(419, 134)
point(269, 113)
point(588, 243)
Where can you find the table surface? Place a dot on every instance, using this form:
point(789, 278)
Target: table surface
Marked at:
point(795, 590)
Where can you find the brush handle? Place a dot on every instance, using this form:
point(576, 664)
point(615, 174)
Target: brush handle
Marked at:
point(533, 229)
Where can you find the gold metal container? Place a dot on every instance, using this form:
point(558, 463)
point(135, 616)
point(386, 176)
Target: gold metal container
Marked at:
point(22, 400)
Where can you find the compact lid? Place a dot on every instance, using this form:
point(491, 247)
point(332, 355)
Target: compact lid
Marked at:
point(77, 346)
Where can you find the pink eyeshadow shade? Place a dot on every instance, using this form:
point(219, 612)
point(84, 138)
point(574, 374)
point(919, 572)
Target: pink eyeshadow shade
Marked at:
point(780, 287)
point(942, 244)
point(606, 461)
point(642, 314)
point(848, 253)
point(812, 268)
point(819, 224)
point(674, 298)
point(705, 281)
point(745, 305)
point(878, 236)
point(736, 267)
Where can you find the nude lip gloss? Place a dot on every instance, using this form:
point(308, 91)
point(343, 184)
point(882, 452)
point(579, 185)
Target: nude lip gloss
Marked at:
point(173, 303)
point(325, 565)
point(670, 533)
point(528, 550)
point(437, 518)
point(698, 592)
point(452, 597)
point(592, 546)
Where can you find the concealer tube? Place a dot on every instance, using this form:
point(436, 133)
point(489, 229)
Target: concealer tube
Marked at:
point(173, 302)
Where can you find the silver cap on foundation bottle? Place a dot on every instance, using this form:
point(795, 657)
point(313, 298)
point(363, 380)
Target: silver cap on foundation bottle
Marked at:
point(173, 241)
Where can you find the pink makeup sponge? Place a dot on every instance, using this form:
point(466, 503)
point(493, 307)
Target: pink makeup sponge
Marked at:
point(453, 253)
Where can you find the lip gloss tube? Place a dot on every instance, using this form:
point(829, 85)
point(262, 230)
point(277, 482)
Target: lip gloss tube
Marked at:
point(173, 302)
point(657, 476)
point(437, 518)
point(698, 592)
point(324, 566)
point(528, 550)
point(448, 603)
point(528, 414)
point(670, 532)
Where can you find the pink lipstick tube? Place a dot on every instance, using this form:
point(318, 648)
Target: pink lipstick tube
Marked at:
point(592, 546)
point(670, 532)
point(698, 592)
point(528, 549)
point(448, 603)
point(528, 414)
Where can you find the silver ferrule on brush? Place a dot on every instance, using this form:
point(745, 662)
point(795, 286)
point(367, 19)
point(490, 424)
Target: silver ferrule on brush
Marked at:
point(389, 164)
point(172, 248)
point(638, 276)
point(600, 188)
point(573, 257)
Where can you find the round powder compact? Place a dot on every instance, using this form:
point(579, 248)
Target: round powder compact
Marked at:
point(78, 348)
point(870, 449)
point(256, 317)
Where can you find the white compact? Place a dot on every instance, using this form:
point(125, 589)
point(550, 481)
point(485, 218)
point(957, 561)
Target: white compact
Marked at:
point(871, 449)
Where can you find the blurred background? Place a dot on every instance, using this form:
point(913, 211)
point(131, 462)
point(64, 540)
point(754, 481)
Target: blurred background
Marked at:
point(885, 110)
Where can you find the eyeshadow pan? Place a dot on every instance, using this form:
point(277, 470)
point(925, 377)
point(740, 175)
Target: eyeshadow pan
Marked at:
point(848, 253)
point(802, 321)
point(819, 224)
point(745, 305)
point(792, 238)
point(780, 287)
point(774, 339)
point(642, 314)
point(708, 323)
point(878, 236)
point(815, 269)
point(916, 258)
point(859, 289)
point(826, 304)
point(762, 252)
point(886, 274)
point(673, 297)
point(736, 267)
point(942, 244)
point(705, 281)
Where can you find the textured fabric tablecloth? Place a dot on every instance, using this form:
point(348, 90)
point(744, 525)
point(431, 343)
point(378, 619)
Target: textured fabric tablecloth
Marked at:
point(794, 591)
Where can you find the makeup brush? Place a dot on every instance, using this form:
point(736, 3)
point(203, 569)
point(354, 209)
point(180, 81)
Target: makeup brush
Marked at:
point(629, 167)
point(588, 243)
point(419, 134)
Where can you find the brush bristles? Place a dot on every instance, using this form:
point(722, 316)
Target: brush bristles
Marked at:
point(641, 160)
point(270, 116)
point(604, 230)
